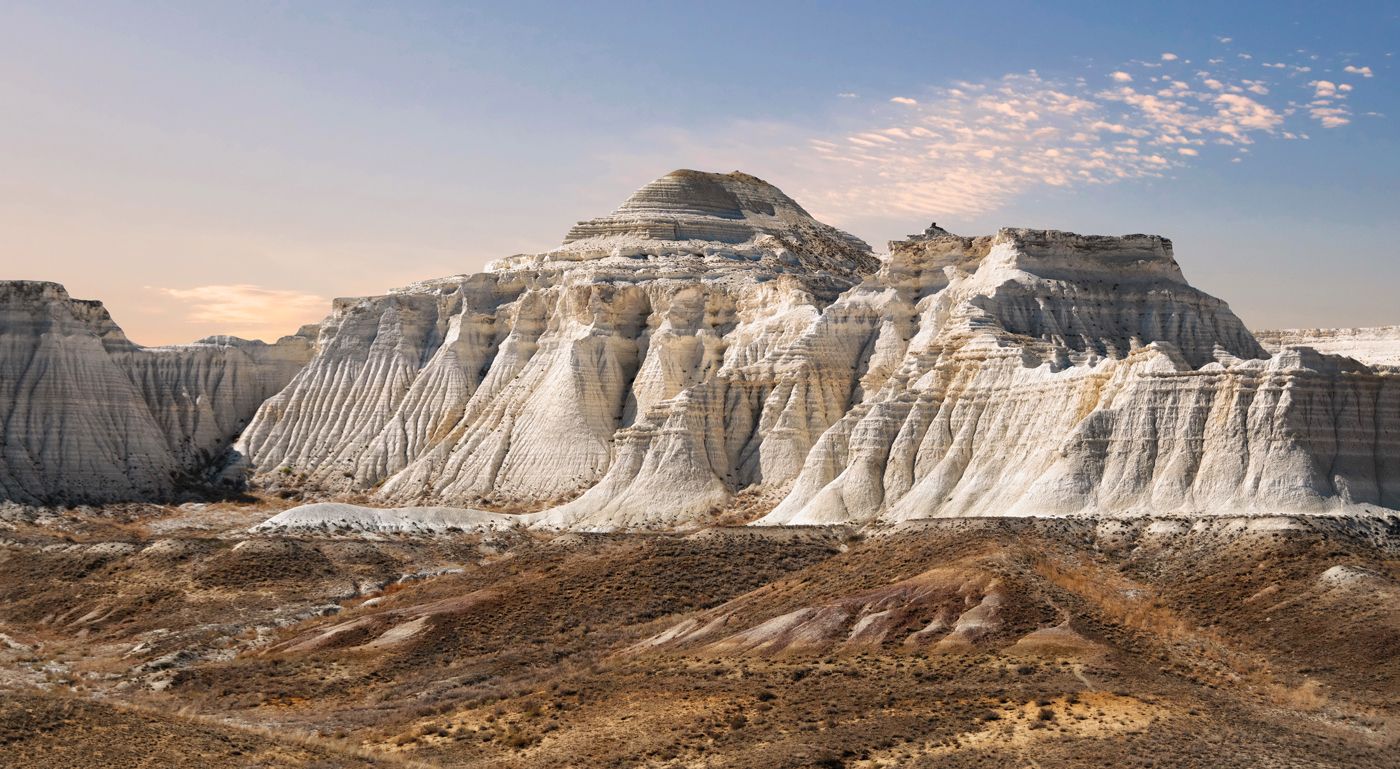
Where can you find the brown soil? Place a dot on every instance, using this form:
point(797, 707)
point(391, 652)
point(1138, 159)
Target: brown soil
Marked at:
point(949, 644)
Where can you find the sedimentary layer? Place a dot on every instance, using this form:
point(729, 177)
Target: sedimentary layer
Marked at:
point(1095, 382)
point(1376, 346)
point(88, 416)
point(710, 337)
point(511, 387)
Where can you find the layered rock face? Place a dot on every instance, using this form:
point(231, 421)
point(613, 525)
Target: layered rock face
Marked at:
point(1057, 375)
point(1378, 346)
point(514, 386)
point(88, 416)
point(710, 337)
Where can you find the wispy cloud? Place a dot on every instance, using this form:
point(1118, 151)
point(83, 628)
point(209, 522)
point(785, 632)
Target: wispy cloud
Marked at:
point(247, 310)
point(967, 148)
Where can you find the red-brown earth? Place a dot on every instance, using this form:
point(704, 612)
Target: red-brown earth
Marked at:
point(171, 637)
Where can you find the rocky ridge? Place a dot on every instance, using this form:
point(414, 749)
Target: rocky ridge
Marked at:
point(1378, 346)
point(89, 416)
point(1062, 375)
point(511, 386)
point(709, 337)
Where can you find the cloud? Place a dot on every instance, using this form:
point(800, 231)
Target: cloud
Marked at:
point(1362, 71)
point(848, 95)
point(968, 148)
point(1329, 106)
point(1331, 117)
point(247, 310)
point(1169, 57)
point(1237, 114)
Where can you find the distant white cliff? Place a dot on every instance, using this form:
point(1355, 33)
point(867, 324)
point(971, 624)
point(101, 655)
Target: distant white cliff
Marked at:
point(1378, 346)
point(87, 416)
point(709, 337)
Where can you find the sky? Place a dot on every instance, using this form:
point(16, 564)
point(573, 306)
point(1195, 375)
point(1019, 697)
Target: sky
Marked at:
point(230, 167)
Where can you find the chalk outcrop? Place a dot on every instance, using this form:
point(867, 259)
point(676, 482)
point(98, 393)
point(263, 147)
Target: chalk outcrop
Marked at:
point(1376, 346)
point(334, 516)
point(690, 303)
point(1058, 375)
point(709, 337)
point(88, 416)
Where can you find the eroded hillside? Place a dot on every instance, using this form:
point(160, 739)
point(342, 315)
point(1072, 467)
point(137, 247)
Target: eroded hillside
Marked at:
point(709, 343)
point(980, 642)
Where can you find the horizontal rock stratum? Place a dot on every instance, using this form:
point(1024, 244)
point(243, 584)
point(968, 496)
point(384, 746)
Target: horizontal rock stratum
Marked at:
point(88, 416)
point(1378, 345)
point(709, 337)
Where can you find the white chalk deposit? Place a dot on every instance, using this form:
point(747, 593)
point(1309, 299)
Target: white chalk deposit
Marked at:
point(1377, 346)
point(325, 516)
point(709, 337)
point(1059, 375)
point(674, 371)
point(87, 416)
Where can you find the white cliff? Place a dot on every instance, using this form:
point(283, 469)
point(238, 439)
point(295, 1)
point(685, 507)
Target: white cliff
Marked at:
point(1060, 375)
point(707, 338)
point(710, 337)
point(88, 416)
point(513, 387)
point(1377, 346)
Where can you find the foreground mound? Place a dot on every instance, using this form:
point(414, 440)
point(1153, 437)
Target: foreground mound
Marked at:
point(340, 516)
point(1229, 642)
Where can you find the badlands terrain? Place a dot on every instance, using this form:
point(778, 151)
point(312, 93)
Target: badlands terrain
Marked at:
point(153, 636)
point(710, 484)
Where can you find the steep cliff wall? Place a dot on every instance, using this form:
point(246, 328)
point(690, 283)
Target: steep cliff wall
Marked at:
point(87, 416)
point(510, 387)
point(1376, 346)
point(709, 337)
point(1094, 382)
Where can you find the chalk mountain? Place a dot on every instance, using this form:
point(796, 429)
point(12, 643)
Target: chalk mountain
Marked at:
point(88, 416)
point(709, 344)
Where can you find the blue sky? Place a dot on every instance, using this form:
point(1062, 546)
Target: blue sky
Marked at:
point(230, 167)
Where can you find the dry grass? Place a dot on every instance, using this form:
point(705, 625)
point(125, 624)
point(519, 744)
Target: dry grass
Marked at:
point(532, 674)
point(1307, 696)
